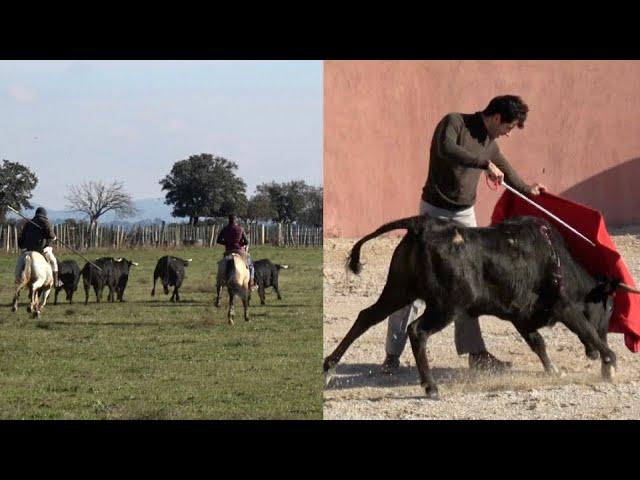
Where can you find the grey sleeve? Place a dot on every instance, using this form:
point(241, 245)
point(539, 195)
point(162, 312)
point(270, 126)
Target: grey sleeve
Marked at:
point(510, 175)
point(447, 141)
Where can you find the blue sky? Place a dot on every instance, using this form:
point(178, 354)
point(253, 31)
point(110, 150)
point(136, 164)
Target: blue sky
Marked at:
point(72, 121)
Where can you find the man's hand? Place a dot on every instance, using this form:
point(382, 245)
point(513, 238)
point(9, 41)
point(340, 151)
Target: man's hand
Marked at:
point(494, 173)
point(536, 188)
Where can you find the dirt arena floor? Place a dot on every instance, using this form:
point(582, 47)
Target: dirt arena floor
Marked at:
point(359, 391)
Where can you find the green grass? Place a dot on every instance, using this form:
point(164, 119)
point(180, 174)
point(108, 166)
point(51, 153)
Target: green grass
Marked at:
point(148, 358)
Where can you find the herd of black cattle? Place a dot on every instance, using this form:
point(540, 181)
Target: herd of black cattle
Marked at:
point(113, 273)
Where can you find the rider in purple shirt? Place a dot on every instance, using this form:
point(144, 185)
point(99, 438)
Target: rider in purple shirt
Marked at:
point(232, 236)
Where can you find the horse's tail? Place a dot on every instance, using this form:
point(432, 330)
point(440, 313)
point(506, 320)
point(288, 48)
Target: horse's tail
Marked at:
point(230, 270)
point(24, 276)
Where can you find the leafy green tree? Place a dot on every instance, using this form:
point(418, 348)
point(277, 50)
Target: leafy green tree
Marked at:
point(204, 186)
point(293, 201)
point(16, 185)
point(260, 207)
point(312, 212)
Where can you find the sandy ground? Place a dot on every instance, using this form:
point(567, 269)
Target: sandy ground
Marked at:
point(359, 391)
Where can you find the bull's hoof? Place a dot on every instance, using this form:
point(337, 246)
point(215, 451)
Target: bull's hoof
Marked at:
point(554, 371)
point(231, 322)
point(14, 308)
point(28, 308)
point(153, 293)
point(608, 372)
point(36, 314)
point(432, 393)
point(592, 354)
point(328, 376)
point(246, 319)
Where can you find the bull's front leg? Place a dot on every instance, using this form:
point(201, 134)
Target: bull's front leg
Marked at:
point(261, 294)
point(536, 343)
point(575, 321)
point(391, 299)
point(419, 332)
point(153, 290)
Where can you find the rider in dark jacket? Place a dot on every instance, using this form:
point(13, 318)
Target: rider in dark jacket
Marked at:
point(234, 239)
point(40, 238)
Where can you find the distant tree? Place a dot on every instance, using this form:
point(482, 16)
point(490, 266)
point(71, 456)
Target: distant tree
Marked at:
point(95, 199)
point(312, 212)
point(260, 207)
point(293, 201)
point(204, 186)
point(16, 185)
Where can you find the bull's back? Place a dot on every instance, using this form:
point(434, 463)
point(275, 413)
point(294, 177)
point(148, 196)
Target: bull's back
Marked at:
point(265, 272)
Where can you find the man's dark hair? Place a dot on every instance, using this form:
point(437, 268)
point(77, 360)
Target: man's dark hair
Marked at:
point(41, 211)
point(232, 218)
point(510, 108)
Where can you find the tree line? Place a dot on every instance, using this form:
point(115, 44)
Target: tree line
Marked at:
point(201, 186)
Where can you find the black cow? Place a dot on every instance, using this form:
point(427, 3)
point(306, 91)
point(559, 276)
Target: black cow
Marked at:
point(170, 270)
point(519, 270)
point(69, 275)
point(114, 276)
point(266, 275)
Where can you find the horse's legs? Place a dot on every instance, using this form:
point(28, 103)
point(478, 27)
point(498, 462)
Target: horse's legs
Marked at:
point(245, 303)
point(19, 287)
point(231, 312)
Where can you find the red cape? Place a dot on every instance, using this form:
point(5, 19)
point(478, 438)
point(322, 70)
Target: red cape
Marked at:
point(602, 259)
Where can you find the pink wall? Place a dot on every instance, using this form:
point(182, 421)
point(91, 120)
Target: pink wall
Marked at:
point(581, 138)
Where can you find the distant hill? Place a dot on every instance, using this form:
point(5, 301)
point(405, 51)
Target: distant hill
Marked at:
point(150, 210)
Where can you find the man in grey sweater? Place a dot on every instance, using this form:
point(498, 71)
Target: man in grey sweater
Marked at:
point(463, 146)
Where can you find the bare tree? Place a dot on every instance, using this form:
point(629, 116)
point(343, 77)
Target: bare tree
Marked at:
point(95, 199)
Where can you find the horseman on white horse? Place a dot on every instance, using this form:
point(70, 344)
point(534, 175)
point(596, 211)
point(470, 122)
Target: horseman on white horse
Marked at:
point(234, 239)
point(37, 268)
point(235, 270)
point(37, 236)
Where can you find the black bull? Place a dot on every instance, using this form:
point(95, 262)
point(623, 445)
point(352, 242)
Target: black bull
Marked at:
point(519, 270)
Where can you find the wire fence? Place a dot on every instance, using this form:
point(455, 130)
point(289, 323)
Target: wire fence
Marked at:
point(81, 236)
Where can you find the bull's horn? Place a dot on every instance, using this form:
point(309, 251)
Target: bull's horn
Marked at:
point(135, 263)
point(623, 286)
point(189, 259)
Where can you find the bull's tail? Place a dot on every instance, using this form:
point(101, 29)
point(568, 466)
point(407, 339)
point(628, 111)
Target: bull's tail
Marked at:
point(412, 224)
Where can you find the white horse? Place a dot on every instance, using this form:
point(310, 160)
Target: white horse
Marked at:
point(234, 273)
point(33, 271)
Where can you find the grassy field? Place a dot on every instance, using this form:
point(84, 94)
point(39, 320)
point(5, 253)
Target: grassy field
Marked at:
point(148, 358)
